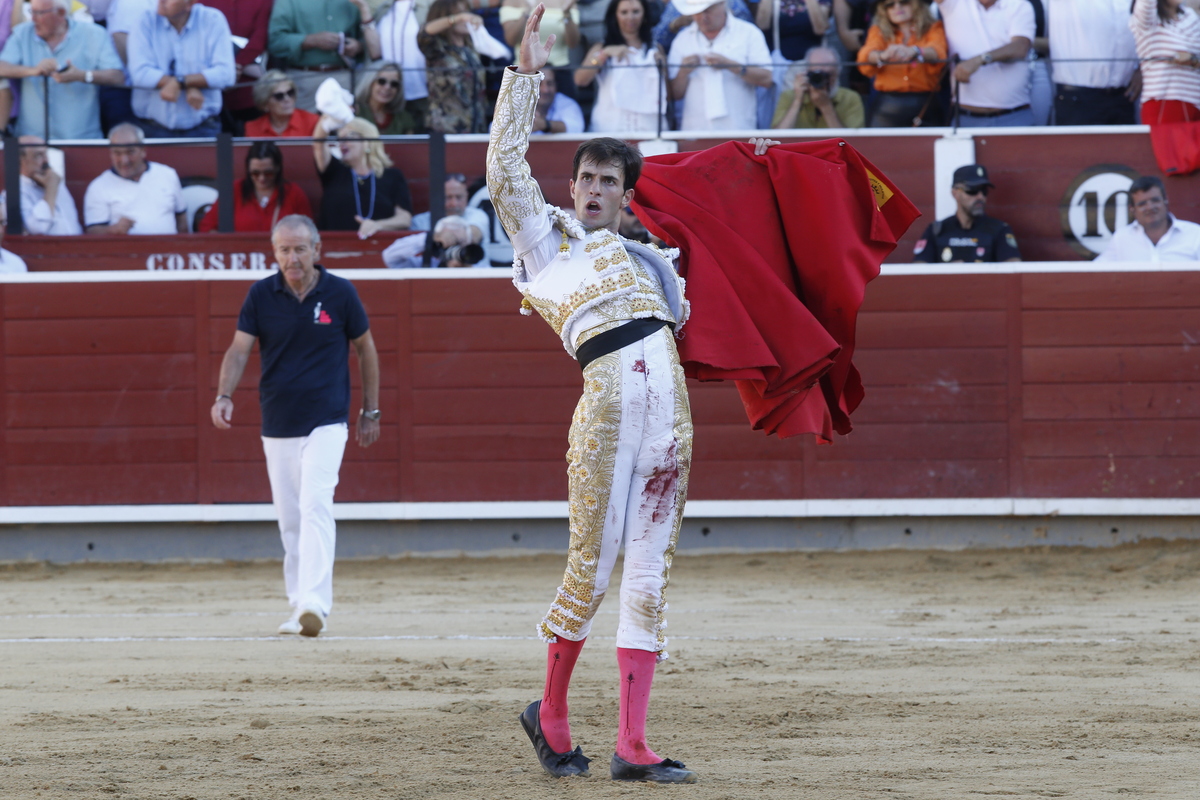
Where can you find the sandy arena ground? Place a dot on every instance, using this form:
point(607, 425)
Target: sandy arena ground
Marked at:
point(1010, 674)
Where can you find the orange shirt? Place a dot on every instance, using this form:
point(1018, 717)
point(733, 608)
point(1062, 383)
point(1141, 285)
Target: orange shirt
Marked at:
point(302, 123)
point(912, 77)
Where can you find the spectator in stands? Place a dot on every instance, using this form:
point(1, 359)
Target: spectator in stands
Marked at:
point(556, 113)
point(1096, 75)
point(1155, 235)
point(992, 38)
point(793, 27)
point(711, 63)
point(66, 59)
point(363, 191)
point(179, 61)
point(903, 41)
point(275, 96)
point(454, 71)
point(398, 29)
point(264, 197)
point(671, 21)
point(452, 246)
point(380, 99)
point(851, 20)
point(455, 194)
point(116, 104)
point(319, 39)
point(136, 196)
point(970, 235)
point(628, 69)
point(249, 19)
point(560, 19)
point(815, 99)
point(455, 246)
point(9, 261)
point(1168, 41)
point(47, 207)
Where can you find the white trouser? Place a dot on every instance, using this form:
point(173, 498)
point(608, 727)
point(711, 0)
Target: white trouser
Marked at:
point(628, 463)
point(304, 472)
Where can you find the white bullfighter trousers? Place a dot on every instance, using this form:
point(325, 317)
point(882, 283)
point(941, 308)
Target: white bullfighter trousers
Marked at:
point(630, 452)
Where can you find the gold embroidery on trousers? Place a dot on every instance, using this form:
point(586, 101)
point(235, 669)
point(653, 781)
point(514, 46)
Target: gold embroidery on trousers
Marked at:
point(590, 458)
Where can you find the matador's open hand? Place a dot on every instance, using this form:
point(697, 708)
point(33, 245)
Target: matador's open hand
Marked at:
point(534, 53)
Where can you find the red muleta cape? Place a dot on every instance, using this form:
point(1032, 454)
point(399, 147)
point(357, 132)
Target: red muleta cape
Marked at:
point(777, 252)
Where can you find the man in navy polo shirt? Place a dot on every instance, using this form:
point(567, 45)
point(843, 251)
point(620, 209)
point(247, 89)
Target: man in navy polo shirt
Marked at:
point(303, 318)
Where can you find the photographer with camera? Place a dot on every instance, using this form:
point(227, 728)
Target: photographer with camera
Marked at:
point(450, 246)
point(815, 99)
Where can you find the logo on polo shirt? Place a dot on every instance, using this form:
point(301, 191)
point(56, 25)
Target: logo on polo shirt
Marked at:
point(321, 317)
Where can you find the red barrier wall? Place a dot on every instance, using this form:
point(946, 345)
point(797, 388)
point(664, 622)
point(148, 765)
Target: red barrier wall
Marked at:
point(1034, 385)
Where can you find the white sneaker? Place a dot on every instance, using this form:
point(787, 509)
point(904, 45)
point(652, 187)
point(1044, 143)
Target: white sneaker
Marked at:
point(292, 625)
point(310, 622)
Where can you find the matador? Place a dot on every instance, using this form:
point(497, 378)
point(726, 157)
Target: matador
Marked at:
point(617, 305)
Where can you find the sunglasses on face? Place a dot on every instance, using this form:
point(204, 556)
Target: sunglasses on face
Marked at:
point(975, 190)
point(262, 173)
point(279, 96)
point(386, 82)
point(894, 4)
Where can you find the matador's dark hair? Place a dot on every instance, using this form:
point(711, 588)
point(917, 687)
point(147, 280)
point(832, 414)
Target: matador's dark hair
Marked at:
point(610, 151)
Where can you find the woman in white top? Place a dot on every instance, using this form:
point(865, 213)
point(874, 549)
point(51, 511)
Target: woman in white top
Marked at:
point(1167, 33)
point(631, 95)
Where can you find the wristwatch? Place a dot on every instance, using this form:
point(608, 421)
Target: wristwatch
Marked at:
point(371, 415)
point(986, 58)
point(88, 76)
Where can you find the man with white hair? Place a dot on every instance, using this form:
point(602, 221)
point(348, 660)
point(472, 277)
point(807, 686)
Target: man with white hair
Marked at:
point(715, 64)
point(61, 63)
point(136, 196)
point(47, 207)
point(815, 99)
point(304, 321)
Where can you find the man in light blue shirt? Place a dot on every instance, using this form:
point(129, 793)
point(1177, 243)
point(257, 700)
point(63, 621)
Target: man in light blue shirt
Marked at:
point(179, 61)
point(66, 59)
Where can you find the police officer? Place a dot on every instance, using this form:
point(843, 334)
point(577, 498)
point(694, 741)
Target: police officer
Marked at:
point(969, 235)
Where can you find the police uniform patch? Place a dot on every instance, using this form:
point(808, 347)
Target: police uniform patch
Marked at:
point(1012, 240)
point(947, 254)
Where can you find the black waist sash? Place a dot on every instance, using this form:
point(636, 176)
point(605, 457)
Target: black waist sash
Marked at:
point(613, 340)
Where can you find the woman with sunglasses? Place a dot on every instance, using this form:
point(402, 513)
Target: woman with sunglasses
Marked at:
point(275, 96)
point(380, 100)
point(903, 54)
point(264, 197)
point(363, 191)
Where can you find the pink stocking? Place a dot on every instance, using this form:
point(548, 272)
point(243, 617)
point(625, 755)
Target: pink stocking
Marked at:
point(637, 673)
point(560, 663)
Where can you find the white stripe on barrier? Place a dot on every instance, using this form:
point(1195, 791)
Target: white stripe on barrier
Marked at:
point(557, 510)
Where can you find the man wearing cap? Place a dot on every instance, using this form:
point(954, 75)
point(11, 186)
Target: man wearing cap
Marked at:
point(716, 62)
point(970, 234)
point(991, 38)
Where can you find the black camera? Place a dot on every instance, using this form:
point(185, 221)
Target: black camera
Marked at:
point(818, 79)
point(469, 254)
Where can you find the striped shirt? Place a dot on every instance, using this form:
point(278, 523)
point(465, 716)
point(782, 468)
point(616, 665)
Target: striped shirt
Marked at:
point(1157, 44)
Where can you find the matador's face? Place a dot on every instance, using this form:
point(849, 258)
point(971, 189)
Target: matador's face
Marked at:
point(599, 195)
